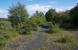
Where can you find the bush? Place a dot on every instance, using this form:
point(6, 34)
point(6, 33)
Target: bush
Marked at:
point(2, 41)
point(53, 28)
point(5, 25)
point(50, 29)
point(56, 29)
point(6, 32)
point(25, 28)
point(64, 40)
point(34, 27)
point(67, 39)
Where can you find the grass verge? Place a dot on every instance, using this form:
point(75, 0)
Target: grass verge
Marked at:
point(19, 38)
point(63, 40)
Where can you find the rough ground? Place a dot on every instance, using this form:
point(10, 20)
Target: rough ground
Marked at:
point(38, 42)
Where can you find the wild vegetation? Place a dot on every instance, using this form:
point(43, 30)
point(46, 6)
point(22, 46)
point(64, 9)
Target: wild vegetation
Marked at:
point(19, 23)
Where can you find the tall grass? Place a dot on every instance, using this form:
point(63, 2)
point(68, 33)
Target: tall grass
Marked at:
point(63, 40)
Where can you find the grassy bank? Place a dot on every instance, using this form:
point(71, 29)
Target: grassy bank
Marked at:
point(63, 40)
point(18, 38)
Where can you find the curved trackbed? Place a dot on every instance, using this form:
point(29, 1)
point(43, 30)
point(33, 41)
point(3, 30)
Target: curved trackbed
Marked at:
point(38, 42)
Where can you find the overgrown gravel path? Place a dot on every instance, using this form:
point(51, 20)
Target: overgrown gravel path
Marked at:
point(38, 42)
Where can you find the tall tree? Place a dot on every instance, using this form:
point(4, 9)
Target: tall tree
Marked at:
point(38, 18)
point(38, 14)
point(17, 14)
point(64, 19)
point(74, 15)
point(51, 16)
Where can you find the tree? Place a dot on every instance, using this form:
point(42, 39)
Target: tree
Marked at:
point(38, 14)
point(64, 19)
point(3, 19)
point(41, 14)
point(25, 28)
point(17, 14)
point(74, 15)
point(6, 32)
point(51, 16)
point(5, 26)
point(38, 18)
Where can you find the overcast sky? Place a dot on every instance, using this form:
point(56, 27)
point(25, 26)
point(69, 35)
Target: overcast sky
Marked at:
point(40, 5)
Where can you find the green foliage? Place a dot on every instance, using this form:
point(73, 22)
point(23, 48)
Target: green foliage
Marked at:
point(34, 27)
point(53, 28)
point(17, 14)
point(6, 32)
point(2, 41)
point(5, 25)
point(50, 27)
point(56, 29)
point(38, 18)
point(65, 40)
point(64, 19)
point(51, 16)
point(20, 23)
point(74, 15)
point(38, 14)
point(3, 19)
point(25, 28)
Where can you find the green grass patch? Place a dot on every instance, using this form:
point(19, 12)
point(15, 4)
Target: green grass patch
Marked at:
point(20, 38)
point(64, 40)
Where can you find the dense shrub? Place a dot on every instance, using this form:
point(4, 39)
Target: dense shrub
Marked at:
point(38, 20)
point(6, 32)
point(74, 16)
point(53, 28)
point(17, 14)
point(50, 29)
point(5, 25)
point(64, 40)
point(2, 41)
point(25, 28)
point(69, 38)
point(34, 27)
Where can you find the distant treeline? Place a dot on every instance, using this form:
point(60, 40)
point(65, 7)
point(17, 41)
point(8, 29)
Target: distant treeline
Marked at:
point(3, 19)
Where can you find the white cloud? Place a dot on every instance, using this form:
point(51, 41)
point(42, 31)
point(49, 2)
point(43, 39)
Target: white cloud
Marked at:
point(3, 13)
point(32, 8)
point(64, 8)
point(44, 7)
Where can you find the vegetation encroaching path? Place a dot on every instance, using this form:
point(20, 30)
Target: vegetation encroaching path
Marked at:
point(17, 31)
point(37, 43)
